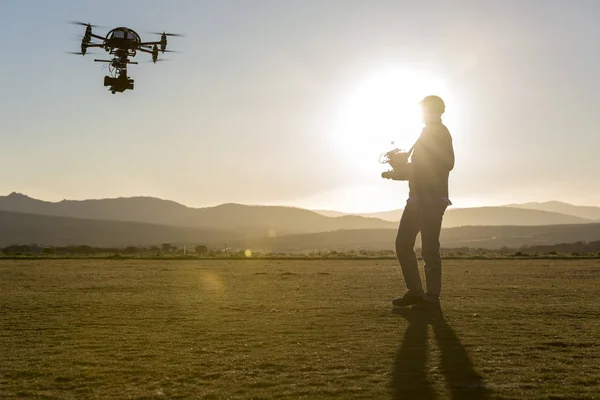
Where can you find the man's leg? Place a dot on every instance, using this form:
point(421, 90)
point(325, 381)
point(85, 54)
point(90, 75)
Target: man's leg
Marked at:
point(405, 243)
point(431, 226)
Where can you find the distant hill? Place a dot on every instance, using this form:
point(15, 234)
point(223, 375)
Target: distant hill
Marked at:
point(331, 213)
point(577, 247)
point(589, 212)
point(500, 216)
point(392, 215)
point(18, 228)
point(487, 216)
point(489, 237)
point(493, 237)
point(257, 220)
point(241, 221)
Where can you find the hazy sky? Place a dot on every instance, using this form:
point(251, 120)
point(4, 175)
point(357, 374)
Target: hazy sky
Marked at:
point(291, 102)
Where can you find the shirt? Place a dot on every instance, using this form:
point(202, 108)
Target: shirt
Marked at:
point(432, 160)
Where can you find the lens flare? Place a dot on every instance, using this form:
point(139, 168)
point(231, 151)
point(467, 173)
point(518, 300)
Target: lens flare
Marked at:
point(212, 282)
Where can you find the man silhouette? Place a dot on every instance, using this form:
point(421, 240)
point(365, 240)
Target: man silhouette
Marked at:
point(431, 163)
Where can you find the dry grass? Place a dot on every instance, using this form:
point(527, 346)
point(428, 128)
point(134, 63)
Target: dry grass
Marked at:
point(295, 329)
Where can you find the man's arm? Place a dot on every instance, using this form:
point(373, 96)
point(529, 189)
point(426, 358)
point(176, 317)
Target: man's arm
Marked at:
point(447, 153)
point(442, 151)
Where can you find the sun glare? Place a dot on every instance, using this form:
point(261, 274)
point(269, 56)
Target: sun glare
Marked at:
point(384, 108)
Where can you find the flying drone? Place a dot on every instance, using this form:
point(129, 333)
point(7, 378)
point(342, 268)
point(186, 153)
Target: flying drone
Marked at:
point(122, 43)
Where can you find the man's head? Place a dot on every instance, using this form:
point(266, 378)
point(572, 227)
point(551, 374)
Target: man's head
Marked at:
point(432, 108)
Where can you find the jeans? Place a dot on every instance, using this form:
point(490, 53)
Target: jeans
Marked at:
point(425, 217)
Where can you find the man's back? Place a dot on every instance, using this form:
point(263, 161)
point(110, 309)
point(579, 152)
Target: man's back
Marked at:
point(432, 161)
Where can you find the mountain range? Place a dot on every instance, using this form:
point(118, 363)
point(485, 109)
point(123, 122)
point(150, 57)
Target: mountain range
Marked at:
point(489, 216)
point(582, 214)
point(254, 220)
point(286, 220)
point(588, 212)
point(150, 221)
point(19, 228)
point(486, 237)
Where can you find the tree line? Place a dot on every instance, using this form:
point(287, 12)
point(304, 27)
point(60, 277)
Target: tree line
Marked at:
point(165, 248)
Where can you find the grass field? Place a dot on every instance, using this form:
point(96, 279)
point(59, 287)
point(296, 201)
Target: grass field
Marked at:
point(296, 329)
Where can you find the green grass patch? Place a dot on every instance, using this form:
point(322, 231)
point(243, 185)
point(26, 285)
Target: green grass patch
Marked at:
point(314, 329)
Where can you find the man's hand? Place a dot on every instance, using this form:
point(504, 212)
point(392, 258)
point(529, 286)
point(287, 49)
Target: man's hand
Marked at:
point(401, 173)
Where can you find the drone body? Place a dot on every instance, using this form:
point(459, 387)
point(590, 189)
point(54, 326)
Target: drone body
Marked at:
point(122, 43)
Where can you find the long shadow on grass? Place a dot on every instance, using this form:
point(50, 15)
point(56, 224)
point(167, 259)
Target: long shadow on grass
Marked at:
point(409, 376)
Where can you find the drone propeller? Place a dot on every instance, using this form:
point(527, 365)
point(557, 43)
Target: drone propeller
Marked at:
point(78, 53)
point(168, 34)
point(84, 24)
point(159, 60)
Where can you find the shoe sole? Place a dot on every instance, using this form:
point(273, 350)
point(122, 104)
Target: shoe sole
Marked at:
point(408, 304)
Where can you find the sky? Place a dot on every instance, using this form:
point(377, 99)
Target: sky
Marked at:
point(292, 102)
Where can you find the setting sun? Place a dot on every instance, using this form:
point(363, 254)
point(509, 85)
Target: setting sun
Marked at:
point(383, 108)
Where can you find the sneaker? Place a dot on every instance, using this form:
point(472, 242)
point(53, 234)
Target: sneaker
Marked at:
point(409, 299)
point(430, 302)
